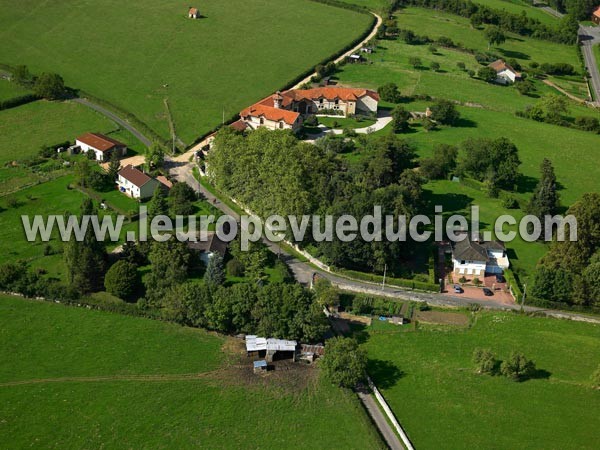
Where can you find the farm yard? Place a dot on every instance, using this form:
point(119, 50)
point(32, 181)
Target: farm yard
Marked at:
point(70, 388)
point(429, 381)
point(139, 53)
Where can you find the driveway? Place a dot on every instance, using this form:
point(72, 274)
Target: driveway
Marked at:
point(112, 116)
point(383, 120)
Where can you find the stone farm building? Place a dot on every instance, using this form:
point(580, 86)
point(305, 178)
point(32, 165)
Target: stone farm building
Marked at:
point(505, 73)
point(135, 183)
point(284, 110)
point(477, 257)
point(101, 145)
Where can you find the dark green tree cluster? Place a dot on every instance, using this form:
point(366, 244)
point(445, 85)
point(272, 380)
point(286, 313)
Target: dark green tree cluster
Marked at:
point(570, 271)
point(545, 198)
point(122, 280)
point(85, 259)
point(181, 199)
point(390, 92)
point(442, 164)
point(444, 112)
point(274, 173)
point(285, 311)
point(517, 366)
point(344, 362)
point(494, 161)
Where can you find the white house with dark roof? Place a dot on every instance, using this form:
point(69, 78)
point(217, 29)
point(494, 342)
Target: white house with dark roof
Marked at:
point(476, 257)
point(135, 183)
point(101, 145)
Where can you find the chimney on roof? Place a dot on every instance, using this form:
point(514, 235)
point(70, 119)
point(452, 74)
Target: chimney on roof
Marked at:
point(277, 99)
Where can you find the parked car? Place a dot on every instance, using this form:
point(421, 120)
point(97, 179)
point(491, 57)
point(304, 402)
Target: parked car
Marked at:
point(500, 278)
point(458, 289)
point(487, 292)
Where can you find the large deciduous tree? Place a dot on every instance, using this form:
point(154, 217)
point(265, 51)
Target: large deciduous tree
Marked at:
point(344, 362)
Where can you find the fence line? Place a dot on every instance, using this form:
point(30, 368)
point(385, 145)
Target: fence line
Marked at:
point(388, 412)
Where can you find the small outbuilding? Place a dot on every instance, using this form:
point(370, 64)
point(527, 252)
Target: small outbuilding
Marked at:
point(193, 13)
point(260, 366)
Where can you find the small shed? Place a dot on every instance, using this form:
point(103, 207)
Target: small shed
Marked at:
point(193, 13)
point(260, 366)
point(396, 320)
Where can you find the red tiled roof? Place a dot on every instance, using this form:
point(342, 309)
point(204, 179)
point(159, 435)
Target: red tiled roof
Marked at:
point(164, 181)
point(597, 12)
point(193, 11)
point(99, 141)
point(330, 93)
point(271, 113)
point(133, 175)
point(500, 65)
point(239, 125)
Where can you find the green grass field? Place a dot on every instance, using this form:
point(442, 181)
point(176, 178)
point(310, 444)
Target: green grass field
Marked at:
point(519, 7)
point(26, 128)
point(10, 90)
point(138, 383)
point(139, 53)
point(525, 50)
point(428, 379)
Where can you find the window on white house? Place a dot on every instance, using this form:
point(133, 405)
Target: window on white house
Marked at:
point(280, 124)
point(462, 261)
point(262, 121)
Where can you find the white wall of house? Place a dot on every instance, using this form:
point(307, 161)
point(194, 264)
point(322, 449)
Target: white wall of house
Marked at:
point(473, 268)
point(367, 103)
point(506, 76)
point(86, 148)
point(255, 122)
point(130, 189)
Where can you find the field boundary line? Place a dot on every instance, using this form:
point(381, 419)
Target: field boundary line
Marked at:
point(158, 377)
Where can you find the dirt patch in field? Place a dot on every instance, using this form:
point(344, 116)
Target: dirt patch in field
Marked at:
point(442, 318)
point(356, 319)
point(284, 375)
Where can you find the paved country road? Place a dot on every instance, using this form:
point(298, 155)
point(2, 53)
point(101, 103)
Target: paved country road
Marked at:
point(589, 37)
point(112, 116)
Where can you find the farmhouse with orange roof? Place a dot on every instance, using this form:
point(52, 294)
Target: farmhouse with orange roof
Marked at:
point(285, 110)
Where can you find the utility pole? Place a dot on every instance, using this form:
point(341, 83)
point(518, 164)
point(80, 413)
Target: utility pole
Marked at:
point(384, 274)
point(523, 300)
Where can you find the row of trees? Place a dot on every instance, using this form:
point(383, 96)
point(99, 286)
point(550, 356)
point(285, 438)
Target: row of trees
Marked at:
point(517, 367)
point(50, 86)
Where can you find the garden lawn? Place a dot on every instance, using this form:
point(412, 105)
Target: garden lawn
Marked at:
point(429, 381)
point(9, 90)
point(138, 53)
point(194, 405)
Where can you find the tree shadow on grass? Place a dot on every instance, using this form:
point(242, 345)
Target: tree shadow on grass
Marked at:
point(465, 123)
point(449, 201)
point(385, 373)
point(514, 54)
point(359, 332)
